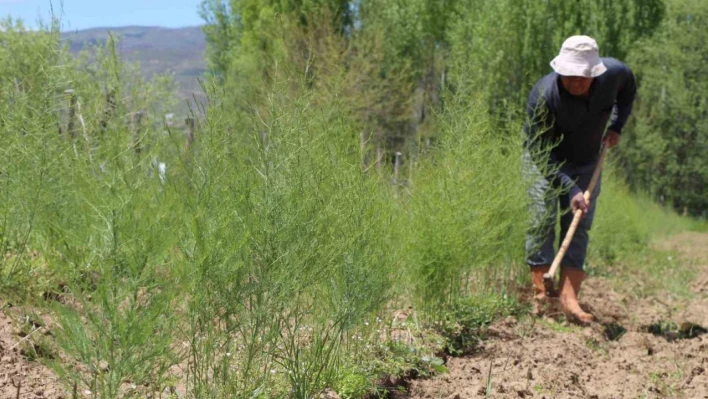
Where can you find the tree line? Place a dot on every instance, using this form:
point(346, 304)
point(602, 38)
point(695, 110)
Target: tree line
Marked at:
point(393, 65)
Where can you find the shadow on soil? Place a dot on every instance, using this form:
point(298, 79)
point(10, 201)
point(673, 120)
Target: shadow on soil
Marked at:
point(667, 330)
point(672, 331)
point(613, 331)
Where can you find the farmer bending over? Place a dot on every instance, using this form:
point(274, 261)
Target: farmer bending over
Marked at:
point(569, 110)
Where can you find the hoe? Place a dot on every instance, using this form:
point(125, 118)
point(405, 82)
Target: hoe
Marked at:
point(548, 278)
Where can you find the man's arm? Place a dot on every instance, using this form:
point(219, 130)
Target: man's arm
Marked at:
point(539, 129)
point(625, 99)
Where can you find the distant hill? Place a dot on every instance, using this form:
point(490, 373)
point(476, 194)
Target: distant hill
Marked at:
point(158, 50)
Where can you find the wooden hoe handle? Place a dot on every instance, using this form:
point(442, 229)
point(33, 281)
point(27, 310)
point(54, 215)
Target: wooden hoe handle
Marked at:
point(576, 217)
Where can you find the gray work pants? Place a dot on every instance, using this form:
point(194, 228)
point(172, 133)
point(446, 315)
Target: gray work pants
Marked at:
point(541, 236)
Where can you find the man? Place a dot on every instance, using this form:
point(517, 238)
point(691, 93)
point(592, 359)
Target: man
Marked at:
point(569, 110)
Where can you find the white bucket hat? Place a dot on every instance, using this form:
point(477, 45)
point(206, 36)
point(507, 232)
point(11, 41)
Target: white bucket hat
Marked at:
point(579, 56)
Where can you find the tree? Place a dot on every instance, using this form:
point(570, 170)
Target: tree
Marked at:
point(665, 152)
point(415, 51)
point(500, 48)
point(242, 34)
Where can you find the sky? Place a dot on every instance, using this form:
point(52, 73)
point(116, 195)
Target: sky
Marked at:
point(83, 14)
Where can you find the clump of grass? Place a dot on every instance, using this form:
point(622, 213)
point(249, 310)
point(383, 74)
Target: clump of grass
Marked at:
point(625, 226)
point(464, 325)
point(82, 215)
point(290, 239)
point(626, 222)
point(467, 208)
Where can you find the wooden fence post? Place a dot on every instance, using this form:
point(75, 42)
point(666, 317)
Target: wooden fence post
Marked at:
point(137, 125)
point(396, 166)
point(363, 151)
point(71, 124)
point(110, 108)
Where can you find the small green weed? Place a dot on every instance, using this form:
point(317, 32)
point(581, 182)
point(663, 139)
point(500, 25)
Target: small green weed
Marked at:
point(463, 324)
point(561, 327)
point(595, 346)
point(352, 384)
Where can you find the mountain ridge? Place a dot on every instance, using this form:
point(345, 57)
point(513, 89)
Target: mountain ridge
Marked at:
point(158, 50)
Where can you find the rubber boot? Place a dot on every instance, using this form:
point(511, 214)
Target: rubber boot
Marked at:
point(540, 296)
point(570, 282)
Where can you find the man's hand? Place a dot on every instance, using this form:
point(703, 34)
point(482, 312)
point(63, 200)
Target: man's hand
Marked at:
point(578, 202)
point(611, 139)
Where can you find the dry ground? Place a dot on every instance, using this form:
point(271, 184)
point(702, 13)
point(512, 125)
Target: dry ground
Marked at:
point(627, 354)
point(17, 371)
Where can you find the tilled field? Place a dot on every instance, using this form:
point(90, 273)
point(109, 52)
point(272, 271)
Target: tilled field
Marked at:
point(640, 348)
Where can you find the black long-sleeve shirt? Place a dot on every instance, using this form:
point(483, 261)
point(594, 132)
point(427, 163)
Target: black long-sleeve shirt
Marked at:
point(577, 124)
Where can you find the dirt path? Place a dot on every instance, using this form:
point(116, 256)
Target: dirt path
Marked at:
point(628, 354)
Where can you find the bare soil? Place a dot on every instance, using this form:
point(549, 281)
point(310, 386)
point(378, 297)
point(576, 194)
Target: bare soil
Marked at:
point(21, 377)
point(653, 347)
